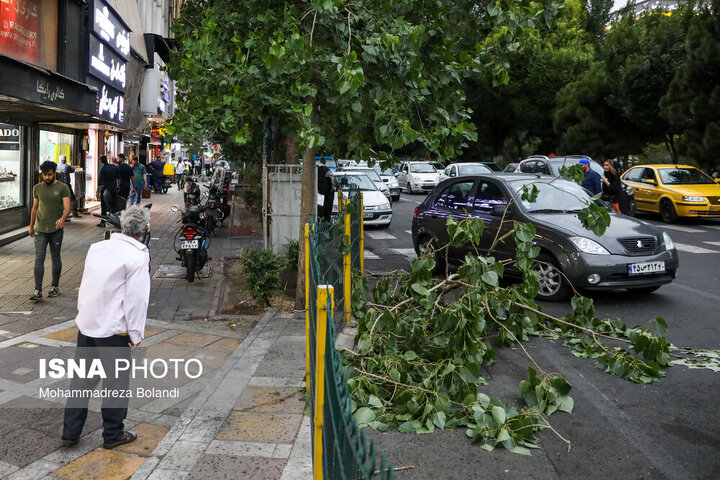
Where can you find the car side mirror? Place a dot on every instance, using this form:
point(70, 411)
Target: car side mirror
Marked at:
point(650, 181)
point(500, 210)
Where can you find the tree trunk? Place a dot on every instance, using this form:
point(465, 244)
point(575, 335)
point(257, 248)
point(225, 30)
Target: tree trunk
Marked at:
point(308, 200)
point(276, 140)
point(292, 153)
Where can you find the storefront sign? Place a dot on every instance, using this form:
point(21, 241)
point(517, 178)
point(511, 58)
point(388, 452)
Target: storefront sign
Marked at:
point(110, 104)
point(107, 65)
point(9, 137)
point(49, 93)
point(20, 30)
point(111, 29)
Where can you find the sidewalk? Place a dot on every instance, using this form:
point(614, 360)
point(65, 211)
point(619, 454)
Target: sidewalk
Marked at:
point(243, 418)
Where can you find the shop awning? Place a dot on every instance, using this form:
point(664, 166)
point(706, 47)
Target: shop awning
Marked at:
point(161, 45)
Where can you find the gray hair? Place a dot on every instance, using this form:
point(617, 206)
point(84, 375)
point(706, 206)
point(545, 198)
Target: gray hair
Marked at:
point(133, 220)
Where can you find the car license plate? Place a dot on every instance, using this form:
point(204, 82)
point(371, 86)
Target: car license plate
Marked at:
point(368, 215)
point(646, 267)
point(188, 244)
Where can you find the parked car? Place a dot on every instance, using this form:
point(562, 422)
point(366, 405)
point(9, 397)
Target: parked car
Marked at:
point(511, 167)
point(370, 172)
point(552, 165)
point(459, 169)
point(376, 206)
point(418, 176)
point(388, 176)
point(330, 162)
point(630, 254)
point(439, 166)
point(492, 166)
point(674, 191)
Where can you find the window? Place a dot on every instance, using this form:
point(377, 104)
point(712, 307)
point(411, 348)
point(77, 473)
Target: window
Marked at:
point(528, 167)
point(422, 168)
point(648, 174)
point(633, 175)
point(455, 196)
point(489, 195)
point(540, 167)
point(10, 160)
point(683, 176)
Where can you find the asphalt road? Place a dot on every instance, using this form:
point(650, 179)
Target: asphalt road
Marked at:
point(666, 430)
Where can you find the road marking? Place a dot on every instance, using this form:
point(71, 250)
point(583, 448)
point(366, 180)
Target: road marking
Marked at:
point(406, 252)
point(370, 255)
point(379, 235)
point(408, 232)
point(717, 244)
point(693, 249)
point(680, 229)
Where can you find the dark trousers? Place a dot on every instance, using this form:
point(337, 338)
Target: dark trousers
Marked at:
point(76, 408)
point(125, 193)
point(325, 210)
point(42, 240)
point(108, 207)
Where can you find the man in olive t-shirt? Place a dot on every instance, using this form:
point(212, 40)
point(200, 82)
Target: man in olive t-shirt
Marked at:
point(51, 206)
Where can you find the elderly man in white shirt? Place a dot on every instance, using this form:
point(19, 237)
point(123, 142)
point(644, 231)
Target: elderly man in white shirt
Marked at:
point(112, 309)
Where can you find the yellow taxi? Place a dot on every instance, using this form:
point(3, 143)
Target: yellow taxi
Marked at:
point(674, 191)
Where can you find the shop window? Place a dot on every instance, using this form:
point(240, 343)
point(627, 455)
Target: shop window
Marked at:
point(54, 144)
point(10, 161)
point(28, 31)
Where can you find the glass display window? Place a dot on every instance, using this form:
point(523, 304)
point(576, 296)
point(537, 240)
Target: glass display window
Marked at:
point(54, 144)
point(10, 162)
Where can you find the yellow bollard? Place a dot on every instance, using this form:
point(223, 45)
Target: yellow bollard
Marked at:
point(307, 306)
point(362, 234)
point(347, 267)
point(323, 291)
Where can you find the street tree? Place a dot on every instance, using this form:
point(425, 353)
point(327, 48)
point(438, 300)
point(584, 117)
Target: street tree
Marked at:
point(365, 78)
point(692, 102)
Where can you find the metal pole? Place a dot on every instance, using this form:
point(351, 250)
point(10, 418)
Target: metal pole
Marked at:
point(323, 291)
point(361, 217)
point(307, 305)
point(347, 264)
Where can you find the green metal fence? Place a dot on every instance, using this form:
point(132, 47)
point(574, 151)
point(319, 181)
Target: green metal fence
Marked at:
point(340, 449)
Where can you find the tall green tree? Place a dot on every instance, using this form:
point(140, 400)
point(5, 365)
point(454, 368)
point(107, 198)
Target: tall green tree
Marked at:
point(692, 102)
point(362, 77)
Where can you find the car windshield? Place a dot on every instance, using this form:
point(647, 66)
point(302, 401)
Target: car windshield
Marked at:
point(557, 196)
point(367, 171)
point(422, 168)
point(328, 162)
point(557, 165)
point(683, 176)
point(473, 169)
point(347, 182)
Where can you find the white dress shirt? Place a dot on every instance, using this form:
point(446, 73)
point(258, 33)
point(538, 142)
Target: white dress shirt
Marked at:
point(115, 289)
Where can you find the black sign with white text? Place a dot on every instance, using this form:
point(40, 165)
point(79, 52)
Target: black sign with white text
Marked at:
point(106, 64)
point(110, 28)
point(9, 137)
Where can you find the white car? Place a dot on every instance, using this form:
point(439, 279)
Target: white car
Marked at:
point(418, 176)
point(388, 176)
point(376, 206)
point(460, 169)
point(372, 173)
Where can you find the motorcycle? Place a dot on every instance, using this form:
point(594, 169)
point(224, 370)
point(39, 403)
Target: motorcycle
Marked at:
point(192, 240)
point(192, 194)
point(112, 220)
point(167, 183)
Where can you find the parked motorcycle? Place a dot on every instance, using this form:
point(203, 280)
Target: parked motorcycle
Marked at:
point(167, 183)
point(192, 240)
point(192, 194)
point(112, 222)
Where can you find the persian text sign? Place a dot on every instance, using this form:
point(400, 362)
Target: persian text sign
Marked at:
point(106, 65)
point(110, 28)
point(20, 30)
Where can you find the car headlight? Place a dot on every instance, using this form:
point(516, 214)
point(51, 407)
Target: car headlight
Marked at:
point(669, 244)
point(589, 246)
point(384, 206)
point(693, 199)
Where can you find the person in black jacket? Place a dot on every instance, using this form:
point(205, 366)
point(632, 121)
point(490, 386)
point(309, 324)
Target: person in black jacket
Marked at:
point(612, 187)
point(125, 176)
point(325, 188)
point(108, 182)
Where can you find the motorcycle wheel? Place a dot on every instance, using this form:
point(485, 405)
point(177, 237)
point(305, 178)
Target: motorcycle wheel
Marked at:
point(190, 267)
point(164, 189)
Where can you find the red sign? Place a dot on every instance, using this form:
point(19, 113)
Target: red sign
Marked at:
point(20, 30)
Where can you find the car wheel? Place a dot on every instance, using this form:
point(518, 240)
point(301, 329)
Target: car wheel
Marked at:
point(396, 199)
point(644, 290)
point(553, 285)
point(632, 208)
point(667, 211)
point(408, 186)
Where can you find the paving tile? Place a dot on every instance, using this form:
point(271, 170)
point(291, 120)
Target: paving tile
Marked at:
point(230, 344)
point(23, 446)
point(190, 339)
point(101, 464)
point(211, 358)
point(7, 468)
point(271, 399)
point(66, 335)
point(183, 455)
point(148, 438)
point(260, 427)
point(239, 468)
point(168, 350)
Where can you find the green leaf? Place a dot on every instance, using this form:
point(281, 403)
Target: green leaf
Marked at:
point(498, 414)
point(420, 289)
point(375, 401)
point(363, 416)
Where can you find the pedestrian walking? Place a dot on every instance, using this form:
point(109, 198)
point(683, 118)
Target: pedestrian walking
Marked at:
point(208, 166)
point(139, 174)
point(112, 310)
point(591, 182)
point(613, 190)
point(180, 172)
point(108, 183)
point(64, 170)
point(197, 165)
point(125, 177)
point(51, 207)
point(156, 174)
